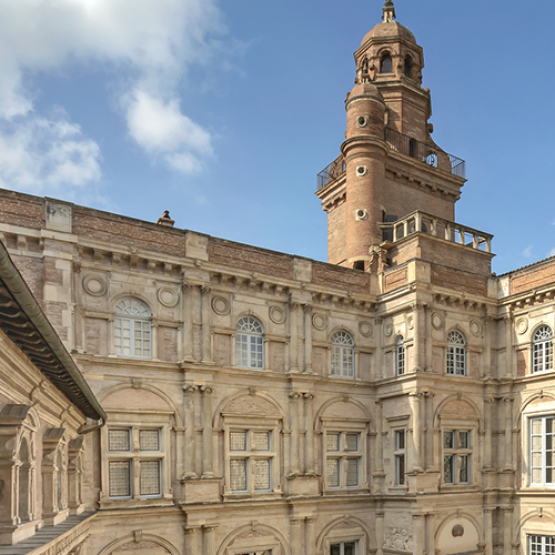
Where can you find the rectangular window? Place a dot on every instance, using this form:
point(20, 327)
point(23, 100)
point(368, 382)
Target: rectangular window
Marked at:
point(400, 457)
point(346, 548)
point(542, 450)
point(541, 545)
point(343, 459)
point(123, 440)
point(253, 471)
point(457, 456)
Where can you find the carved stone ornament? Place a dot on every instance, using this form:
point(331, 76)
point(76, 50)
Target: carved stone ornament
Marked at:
point(220, 305)
point(399, 539)
point(320, 320)
point(521, 326)
point(365, 329)
point(475, 327)
point(437, 321)
point(95, 285)
point(167, 297)
point(410, 322)
point(388, 329)
point(277, 314)
point(458, 530)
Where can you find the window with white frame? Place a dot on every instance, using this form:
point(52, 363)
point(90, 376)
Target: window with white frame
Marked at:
point(400, 356)
point(543, 350)
point(456, 354)
point(249, 343)
point(399, 455)
point(134, 451)
point(457, 456)
point(252, 455)
point(343, 355)
point(542, 451)
point(343, 459)
point(541, 545)
point(344, 548)
point(132, 329)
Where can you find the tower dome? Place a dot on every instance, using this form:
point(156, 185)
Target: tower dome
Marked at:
point(388, 29)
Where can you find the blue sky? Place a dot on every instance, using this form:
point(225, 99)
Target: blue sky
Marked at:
point(223, 111)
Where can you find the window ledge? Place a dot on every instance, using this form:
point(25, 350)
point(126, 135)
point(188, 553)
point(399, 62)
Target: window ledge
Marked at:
point(139, 503)
point(458, 487)
point(347, 491)
point(252, 496)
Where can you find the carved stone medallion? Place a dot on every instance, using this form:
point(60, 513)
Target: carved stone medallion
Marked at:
point(365, 329)
point(167, 297)
point(320, 320)
point(95, 285)
point(220, 305)
point(277, 314)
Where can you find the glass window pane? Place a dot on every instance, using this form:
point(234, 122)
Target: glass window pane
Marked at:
point(463, 472)
point(352, 472)
point(448, 440)
point(149, 440)
point(262, 474)
point(238, 475)
point(352, 442)
point(463, 440)
point(333, 473)
point(349, 548)
point(400, 469)
point(118, 440)
point(150, 477)
point(332, 442)
point(238, 441)
point(335, 549)
point(120, 482)
point(400, 440)
point(261, 441)
point(448, 469)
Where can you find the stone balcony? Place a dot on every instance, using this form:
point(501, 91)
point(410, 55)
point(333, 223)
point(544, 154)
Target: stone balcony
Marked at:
point(418, 221)
point(63, 539)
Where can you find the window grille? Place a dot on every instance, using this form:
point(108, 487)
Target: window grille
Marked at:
point(400, 356)
point(543, 349)
point(457, 455)
point(150, 478)
point(149, 440)
point(249, 343)
point(261, 441)
point(343, 355)
point(132, 329)
point(262, 475)
point(118, 440)
point(238, 475)
point(238, 441)
point(333, 473)
point(541, 545)
point(456, 354)
point(542, 450)
point(352, 472)
point(120, 478)
point(332, 442)
point(352, 442)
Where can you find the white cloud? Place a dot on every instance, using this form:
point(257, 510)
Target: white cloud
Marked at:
point(146, 45)
point(552, 252)
point(163, 131)
point(527, 252)
point(38, 154)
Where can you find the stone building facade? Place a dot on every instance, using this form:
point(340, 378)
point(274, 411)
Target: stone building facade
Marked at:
point(399, 399)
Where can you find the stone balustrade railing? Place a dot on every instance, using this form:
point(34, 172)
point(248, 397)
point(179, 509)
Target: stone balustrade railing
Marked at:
point(437, 227)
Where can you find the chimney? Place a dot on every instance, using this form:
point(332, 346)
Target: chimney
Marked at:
point(165, 219)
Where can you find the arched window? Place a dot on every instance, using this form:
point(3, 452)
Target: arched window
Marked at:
point(25, 482)
point(400, 356)
point(387, 64)
point(543, 349)
point(249, 343)
point(456, 354)
point(408, 67)
point(132, 329)
point(343, 355)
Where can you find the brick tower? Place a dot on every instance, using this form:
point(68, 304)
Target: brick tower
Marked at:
point(389, 165)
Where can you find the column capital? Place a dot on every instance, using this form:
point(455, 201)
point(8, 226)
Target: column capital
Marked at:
point(76, 267)
point(295, 395)
point(208, 389)
point(186, 287)
point(293, 305)
point(190, 388)
point(308, 396)
point(307, 308)
point(205, 290)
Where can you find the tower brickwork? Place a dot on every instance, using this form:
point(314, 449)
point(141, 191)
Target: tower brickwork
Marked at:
point(390, 165)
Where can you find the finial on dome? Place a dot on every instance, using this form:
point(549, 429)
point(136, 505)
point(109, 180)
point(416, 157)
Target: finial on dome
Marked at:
point(388, 11)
